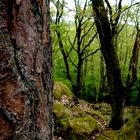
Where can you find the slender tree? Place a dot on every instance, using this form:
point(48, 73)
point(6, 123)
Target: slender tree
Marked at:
point(25, 70)
point(59, 13)
point(133, 65)
point(81, 43)
point(77, 44)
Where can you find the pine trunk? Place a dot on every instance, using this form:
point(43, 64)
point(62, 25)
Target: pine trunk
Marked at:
point(25, 70)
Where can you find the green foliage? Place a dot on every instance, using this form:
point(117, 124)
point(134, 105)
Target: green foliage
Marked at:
point(91, 79)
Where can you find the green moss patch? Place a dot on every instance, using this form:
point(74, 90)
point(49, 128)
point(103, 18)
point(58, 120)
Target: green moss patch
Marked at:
point(61, 111)
point(74, 119)
point(61, 89)
point(83, 125)
point(130, 131)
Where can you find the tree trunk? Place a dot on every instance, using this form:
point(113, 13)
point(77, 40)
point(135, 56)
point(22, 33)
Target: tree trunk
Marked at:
point(25, 70)
point(79, 79)
point(65, 58)
point(138, 98)
point(108, 49)
point(102, 79)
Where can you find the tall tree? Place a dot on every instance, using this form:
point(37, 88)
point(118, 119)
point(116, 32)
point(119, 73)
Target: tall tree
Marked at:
point(25, 70)
point(108, 48)
point(59, 13)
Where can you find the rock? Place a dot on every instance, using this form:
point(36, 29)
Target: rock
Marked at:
point(84, 125)
point(74, 119)
point(61, 90)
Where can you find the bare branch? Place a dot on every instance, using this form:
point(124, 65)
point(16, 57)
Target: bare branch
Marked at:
point(87, 19)
point(110, 10)
point(73, 63)
point(87, 32)
point(90, 41)
point(118, 13)
point(91, 54)
point(72, 44)
point(130, 7)
point(123, 24)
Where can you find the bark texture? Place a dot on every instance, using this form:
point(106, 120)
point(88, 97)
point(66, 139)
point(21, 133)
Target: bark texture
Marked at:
point(25, 70)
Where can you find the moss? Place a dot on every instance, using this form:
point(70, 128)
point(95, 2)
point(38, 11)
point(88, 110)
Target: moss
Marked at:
point(61, 111)
point(64, 122)
point(130, 131)
point(97, 113)
point(83, 125)
point(63, 114)
point(61, 89)
point(108, 135)
point(77, 112)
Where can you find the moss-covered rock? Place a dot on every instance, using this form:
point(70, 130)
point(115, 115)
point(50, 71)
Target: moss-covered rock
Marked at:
point(74, 119)
point(83, 125)
point(62, 113)
point(130, 131)
point(60, 89)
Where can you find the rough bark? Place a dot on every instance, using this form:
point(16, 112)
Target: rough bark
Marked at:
point(109, 52)
point(25, 70)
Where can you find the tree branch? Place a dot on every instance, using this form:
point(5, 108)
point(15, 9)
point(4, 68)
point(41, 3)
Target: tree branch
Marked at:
point(91, 54)
point(88, 43)
point(87, 32)
point(73, 63)
point(110, 10)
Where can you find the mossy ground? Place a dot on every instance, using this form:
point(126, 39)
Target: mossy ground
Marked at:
point(78, 120)
point(73, 116)
point(130, 131)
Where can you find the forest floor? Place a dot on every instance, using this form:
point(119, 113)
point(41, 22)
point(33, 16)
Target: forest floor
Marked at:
point(79, 120)
point(105, 110)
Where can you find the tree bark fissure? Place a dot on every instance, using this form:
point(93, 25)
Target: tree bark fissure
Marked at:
point(25, 55)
